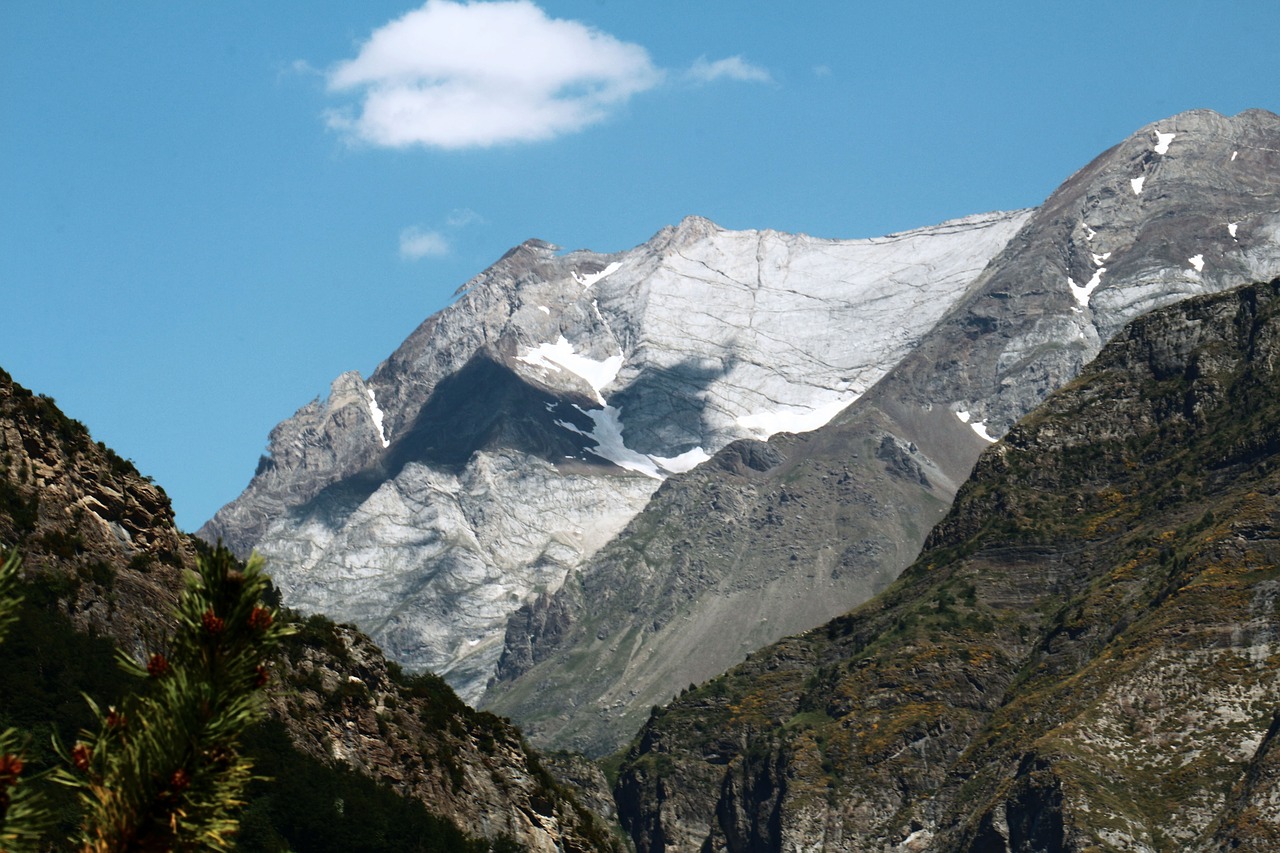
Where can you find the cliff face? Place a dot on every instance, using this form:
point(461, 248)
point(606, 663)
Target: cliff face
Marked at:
point(771, 539)
point(1083, 657)
point(99, 539)
point(345, 704)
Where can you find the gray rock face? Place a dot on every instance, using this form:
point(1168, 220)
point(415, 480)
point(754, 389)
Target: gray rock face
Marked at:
point(1185, 206)
point(516, 432)
point(734, 555)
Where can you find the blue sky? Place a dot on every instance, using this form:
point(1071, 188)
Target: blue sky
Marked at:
point(210, 210)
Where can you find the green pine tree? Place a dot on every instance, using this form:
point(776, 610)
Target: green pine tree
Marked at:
point(164, 771)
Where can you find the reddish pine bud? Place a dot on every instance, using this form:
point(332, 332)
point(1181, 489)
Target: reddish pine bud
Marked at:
point(212, 623)
point(81, 755)
point(116, 719)
point(158, 665)
point(262, 677)
point(10, 769)
point(179, 781)
point(260, 619)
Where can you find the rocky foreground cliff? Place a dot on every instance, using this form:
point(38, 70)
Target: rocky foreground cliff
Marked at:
point(102, 557)
point(772, 538)
point(1084, 657)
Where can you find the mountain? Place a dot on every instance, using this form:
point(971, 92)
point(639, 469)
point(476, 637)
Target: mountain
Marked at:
point(517, 431)
point(772, 538)
point(103, 564)
point(1083, 657)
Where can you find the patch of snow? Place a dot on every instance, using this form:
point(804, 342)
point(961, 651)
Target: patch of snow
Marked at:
point(1197, 261)
point(686, 461)
point(1089, 233)
point(1099, 260)
point(916, 840)
point(1162, 142)
point(980, 427)
point(591, 278)
point(559, 355)
point(1082, 294)
point(606, 432)
point(544, 309)
point(793, 418)
point(1234, 155)
point(376, 414)
point(1136, 183)
point(1231, 228)
point(963, 416)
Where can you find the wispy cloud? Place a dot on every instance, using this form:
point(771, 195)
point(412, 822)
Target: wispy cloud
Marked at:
point(731, 68)
point(417, 242)
point(458, 75)
point(462, 217)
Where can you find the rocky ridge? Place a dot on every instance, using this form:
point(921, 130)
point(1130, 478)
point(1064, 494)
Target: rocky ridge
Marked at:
point(1082, 658)
point(99, 540)
point(516, 432)
point(771, 539)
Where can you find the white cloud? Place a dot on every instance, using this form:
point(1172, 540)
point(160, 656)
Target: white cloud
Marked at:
point(462, 217)
point(417, 242)
point(460, 75)
point(822, 70)
point(732, 68)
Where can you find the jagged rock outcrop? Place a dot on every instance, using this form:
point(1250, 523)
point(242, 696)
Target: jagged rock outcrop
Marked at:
point(84, 516)
point(98, 539)
point(1084, 657)
point(516, 432)
point(734, 555)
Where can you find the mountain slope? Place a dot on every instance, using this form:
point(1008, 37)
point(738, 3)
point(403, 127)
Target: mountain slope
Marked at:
point(1083, 657)
point(772, 539)
point(103, 560)
point(518, 430)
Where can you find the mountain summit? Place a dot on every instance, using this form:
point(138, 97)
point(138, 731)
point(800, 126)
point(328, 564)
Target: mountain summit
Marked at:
point(739, 553)
point(517, 432)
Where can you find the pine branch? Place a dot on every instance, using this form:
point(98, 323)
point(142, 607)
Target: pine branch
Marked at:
point(164, 772)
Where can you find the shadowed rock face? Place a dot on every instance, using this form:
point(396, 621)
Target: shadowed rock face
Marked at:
point(516, 432)
point(1083, 657)
point(733, 555)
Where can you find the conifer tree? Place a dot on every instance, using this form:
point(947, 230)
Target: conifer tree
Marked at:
point(163, 771)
